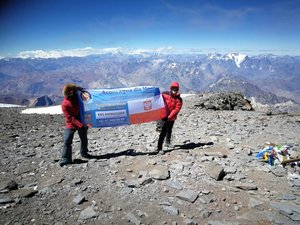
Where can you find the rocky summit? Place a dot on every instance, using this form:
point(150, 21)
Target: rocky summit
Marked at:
point(210, 176)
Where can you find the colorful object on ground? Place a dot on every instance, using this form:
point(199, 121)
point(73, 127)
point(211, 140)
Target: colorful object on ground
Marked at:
point(263, 152)
point(274, 154)
point(122, 106)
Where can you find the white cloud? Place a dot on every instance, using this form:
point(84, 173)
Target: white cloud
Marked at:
point(81, 52)
point(63, 53)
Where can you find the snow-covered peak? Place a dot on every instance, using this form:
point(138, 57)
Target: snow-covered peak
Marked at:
point(216, 56)
point(238, 58)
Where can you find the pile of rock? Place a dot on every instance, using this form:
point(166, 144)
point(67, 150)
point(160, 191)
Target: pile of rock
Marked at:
point(224, 101)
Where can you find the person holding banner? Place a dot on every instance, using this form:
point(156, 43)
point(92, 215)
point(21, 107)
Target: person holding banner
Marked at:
point(173, 104)
point(70, 108)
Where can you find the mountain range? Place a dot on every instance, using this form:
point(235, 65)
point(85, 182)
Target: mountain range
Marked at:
point(269, 79)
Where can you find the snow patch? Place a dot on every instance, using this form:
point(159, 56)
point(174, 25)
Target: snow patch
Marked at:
point(44, 110)
point(172, 66)
point(9, 105)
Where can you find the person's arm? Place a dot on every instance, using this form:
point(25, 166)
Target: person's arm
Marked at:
point(71, 117)
point(175, 111)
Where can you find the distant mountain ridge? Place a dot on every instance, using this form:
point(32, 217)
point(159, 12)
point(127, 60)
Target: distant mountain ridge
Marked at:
point(248, 89)
point(278, 76)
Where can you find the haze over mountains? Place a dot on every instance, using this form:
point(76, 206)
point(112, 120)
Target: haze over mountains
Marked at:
point(269, 79)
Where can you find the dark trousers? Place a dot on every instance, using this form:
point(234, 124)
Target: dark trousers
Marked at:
point(166, 132)
point(66, 156)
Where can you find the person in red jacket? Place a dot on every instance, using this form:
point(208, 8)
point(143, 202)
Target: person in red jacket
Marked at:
point(173, 104)
point(70, 108)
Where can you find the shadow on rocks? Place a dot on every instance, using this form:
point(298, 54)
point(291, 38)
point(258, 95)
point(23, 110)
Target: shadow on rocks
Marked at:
point(188, 146)
point(79, 161)
point(132, 152)
point(128, 152)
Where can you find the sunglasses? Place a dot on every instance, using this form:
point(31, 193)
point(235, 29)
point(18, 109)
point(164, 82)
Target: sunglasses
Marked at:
point(174, 89)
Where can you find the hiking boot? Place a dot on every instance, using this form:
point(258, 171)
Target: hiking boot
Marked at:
point(63, 163)
point(161, 152)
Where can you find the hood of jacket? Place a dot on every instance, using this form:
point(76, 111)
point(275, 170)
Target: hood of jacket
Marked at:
point(174, 84)
point(67, 88)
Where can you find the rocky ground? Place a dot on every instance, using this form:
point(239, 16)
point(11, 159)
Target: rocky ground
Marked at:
point(210, 177)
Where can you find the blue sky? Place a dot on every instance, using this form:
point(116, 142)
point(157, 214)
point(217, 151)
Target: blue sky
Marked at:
point(250, 27)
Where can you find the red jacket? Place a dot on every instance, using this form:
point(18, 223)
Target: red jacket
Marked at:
point(71, 112)
point(173, 102)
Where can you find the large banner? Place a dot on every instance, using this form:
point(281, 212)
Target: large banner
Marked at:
point(123, 106)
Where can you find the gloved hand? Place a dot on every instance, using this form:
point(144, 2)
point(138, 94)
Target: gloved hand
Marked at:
point(159, 125)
